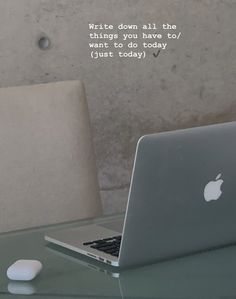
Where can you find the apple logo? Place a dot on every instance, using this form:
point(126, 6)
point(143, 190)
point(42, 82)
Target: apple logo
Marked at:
point(212, 190)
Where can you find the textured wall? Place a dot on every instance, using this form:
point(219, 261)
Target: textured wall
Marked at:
point(193, 83)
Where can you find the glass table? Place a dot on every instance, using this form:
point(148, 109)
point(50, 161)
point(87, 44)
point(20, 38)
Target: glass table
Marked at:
point(65, 274)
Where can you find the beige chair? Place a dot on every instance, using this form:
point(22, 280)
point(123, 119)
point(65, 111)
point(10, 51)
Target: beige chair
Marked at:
point(47, 164)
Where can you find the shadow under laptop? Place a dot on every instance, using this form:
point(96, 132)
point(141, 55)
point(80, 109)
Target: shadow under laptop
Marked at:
point(210, 274)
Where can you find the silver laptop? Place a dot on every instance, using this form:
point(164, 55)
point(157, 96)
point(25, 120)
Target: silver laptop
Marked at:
point(182, 200)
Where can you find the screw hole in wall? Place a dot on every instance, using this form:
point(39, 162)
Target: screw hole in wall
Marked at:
point(44, 43)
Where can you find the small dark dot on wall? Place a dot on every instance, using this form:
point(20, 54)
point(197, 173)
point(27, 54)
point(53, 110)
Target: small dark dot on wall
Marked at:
point(44, 43)
point(173, 68)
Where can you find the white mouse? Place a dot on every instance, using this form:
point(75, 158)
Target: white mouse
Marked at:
point(24, 270)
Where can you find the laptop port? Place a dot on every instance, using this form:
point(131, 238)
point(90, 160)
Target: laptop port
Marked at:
point(101, 259)
point(109, 262)
point(91, 255)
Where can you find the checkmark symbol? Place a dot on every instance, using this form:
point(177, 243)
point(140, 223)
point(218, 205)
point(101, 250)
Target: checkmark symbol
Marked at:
point(157, 53)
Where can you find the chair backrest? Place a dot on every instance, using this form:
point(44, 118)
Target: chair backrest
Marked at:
point(47, 163)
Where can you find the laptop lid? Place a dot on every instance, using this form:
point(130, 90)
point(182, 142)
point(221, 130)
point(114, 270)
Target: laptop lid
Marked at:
point(182, 194)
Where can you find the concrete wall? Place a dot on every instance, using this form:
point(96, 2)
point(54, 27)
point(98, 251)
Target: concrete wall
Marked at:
point(193, 83)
